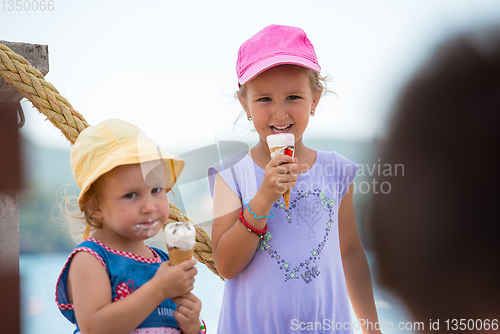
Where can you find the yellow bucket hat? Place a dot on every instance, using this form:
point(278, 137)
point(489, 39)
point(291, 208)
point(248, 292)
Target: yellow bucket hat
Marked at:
point(112, 143)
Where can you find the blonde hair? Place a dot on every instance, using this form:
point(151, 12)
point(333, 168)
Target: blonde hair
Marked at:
point(81, 214)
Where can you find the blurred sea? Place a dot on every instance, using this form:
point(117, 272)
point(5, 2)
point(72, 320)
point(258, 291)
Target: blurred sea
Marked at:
point(41, 232)
point(40, 314)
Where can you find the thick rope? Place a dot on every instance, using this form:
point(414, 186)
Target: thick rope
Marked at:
point(31, 83)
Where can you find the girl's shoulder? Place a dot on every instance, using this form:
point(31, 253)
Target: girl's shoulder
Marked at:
point(92, 244)
point(230, 168)
point(336, 166)
point(332, 157)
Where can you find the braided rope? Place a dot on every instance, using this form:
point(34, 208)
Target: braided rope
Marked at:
point(32, 85)
point(18, 72)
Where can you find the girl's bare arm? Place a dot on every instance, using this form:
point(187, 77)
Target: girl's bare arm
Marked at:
point(233, 246)
point(356, 270)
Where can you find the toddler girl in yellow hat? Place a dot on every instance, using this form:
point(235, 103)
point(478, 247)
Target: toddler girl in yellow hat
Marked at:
point(113, 282)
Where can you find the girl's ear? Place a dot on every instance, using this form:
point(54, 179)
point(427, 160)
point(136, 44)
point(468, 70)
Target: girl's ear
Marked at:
point(316, 99)
point(97, 214)
point(94, 209)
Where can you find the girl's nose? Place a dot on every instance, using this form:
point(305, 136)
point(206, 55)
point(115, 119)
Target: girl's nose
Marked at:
point(148, 206)
point(280, 111)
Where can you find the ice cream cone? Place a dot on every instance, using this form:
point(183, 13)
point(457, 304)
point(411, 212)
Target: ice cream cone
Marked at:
point(286, 198)
point(282, 143)
point(180, 239)
point(177, 255)
point(274, 149)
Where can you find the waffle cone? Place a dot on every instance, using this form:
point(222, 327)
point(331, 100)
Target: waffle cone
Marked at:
point(274, 149)
point(286, 198)
point(177, 255)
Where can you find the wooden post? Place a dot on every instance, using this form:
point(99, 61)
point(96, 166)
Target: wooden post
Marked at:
point(9, 220)
point(10, 183)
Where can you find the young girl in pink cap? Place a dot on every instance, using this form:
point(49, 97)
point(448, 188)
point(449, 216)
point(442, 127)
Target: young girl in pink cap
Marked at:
point(290, 269)
point(113, 282)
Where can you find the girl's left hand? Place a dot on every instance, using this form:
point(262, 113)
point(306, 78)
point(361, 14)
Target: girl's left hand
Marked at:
point(188, 313)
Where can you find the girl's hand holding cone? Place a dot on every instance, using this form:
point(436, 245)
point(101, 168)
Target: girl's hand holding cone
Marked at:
point(279, 176)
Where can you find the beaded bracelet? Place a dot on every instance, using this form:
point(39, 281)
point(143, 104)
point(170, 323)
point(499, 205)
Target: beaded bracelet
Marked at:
point(250, 228)
point(247, 202)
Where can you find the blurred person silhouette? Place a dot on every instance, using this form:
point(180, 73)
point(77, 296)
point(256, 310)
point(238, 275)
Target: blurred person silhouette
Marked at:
point(436, 232)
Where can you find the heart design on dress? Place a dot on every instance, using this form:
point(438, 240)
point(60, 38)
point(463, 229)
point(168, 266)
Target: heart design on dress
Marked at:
point(309, 213)
point(311, 206)
point(123, 290)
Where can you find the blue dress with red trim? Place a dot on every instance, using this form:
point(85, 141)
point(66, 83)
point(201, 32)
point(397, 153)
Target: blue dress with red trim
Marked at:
point(127, 272)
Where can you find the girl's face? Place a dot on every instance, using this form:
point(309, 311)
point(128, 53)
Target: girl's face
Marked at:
point(129, 208)
point(279, 100)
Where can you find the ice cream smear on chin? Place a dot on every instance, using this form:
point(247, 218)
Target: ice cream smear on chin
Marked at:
point(180, 235)
point(149, 228)
point(282, 143)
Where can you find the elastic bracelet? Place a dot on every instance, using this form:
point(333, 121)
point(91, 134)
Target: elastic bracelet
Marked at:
point(247, 201)
point(250, 228)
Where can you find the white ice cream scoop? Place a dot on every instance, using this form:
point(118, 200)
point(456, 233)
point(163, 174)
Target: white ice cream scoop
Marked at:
point(180, 235)
point(281, 140)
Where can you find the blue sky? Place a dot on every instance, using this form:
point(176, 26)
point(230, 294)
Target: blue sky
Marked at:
point(169, 66)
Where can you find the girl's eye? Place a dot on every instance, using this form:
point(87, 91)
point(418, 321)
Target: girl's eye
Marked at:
point(293, 97)
point(156, 190)
point(130, 195)
point(264, 99)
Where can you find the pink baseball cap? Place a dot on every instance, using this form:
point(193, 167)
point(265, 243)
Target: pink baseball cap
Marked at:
point(275, 45)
